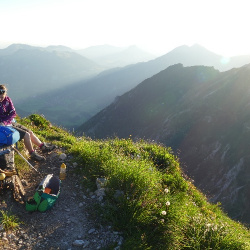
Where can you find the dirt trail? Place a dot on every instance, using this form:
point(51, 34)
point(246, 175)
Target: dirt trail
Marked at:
point(68, 225)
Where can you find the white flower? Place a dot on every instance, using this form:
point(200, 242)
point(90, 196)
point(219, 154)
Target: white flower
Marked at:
point(168, 203)
point(166, 190)
point(163, 212)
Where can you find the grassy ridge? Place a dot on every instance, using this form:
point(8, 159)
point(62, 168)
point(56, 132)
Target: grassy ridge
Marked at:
point(147, 196)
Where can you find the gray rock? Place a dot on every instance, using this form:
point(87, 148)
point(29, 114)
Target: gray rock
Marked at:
point(78, 243)
point(100, 182)
point(91, 231)
point(86, 244)
point(100, 192)
point(62, 156)
point(11, 236)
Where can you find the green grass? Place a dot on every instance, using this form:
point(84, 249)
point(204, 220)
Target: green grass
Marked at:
point(9, 220)
point(148, 197)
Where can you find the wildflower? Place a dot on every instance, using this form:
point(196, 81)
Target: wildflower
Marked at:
point(166, 190)
point(168, 203)
point(163, 212)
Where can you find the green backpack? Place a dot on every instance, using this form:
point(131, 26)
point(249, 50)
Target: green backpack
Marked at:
point(46, 194)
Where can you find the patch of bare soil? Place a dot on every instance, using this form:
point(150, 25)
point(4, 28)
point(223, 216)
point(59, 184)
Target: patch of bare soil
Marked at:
point(69, 224)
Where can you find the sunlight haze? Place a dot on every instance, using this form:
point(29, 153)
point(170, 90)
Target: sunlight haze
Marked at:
point(156, 26)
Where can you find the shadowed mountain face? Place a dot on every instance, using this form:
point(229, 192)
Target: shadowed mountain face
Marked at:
point(89, 97)
point(203, 113)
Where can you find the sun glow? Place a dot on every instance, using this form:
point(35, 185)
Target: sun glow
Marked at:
point(160, 25)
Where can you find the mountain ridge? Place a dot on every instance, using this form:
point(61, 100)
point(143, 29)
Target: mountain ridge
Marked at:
point(101, 90)
point(200, 112)
point(29, 71)
point(124, 57)
point(142, 191)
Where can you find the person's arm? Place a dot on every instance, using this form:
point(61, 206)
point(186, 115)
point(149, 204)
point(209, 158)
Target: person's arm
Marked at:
point(10, 113)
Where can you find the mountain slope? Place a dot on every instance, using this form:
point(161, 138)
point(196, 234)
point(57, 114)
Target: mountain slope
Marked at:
point(89, 97)
point(199, 111)
point(132, 194)
point(29, 71)
point(144, 106)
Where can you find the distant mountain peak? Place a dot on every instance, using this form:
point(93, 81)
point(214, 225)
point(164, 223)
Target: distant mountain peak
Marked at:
point(112, 57)
point(20, 46)
point(11, 49)
point(58, 48)
point(196, 45)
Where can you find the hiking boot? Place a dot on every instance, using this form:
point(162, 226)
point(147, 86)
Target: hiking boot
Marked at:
point(46, 147)
point(35, 156)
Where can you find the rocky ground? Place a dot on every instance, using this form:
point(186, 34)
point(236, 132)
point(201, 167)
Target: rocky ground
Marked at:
point(69, 224)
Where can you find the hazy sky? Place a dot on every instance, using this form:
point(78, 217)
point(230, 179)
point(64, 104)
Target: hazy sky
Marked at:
point(221, 26)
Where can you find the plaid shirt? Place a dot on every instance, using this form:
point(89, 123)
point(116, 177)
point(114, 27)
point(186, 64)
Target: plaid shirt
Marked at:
point(7, 111)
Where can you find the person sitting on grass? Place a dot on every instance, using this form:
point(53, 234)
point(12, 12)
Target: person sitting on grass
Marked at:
point(7, 115)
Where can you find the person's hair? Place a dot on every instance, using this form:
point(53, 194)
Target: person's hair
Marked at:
point(3, 87)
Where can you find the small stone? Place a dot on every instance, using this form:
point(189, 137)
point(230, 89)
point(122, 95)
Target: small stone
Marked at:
point(100, 182)
point(4, 239)
point(24, 182)
point(86, 244)
point(91, 231)
point(100, 198)
point(11, 236)
point(62, 156)
point(78, 243)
